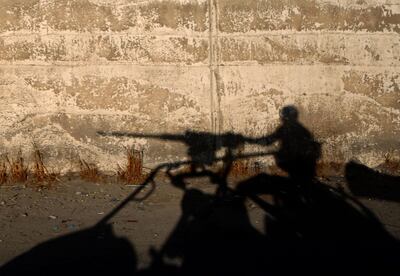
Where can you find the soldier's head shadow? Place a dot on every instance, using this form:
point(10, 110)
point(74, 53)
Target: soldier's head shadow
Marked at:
point(298, 150)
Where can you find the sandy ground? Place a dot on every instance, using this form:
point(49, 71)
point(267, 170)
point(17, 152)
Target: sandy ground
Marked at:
point(29, 216)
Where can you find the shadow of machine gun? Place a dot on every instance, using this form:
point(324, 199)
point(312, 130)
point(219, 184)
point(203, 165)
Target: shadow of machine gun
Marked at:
point(97, 249)
point(202, 147)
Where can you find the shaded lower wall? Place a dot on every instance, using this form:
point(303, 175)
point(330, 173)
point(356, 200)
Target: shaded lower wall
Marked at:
point(71, 68)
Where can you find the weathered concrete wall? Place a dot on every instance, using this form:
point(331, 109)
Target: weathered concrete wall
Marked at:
point(71, 67)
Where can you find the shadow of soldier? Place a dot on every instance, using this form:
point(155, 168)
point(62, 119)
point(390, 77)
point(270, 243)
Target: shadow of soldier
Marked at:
point(310, 227)
point(315, 228)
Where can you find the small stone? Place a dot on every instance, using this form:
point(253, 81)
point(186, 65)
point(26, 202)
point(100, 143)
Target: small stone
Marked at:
point(78, 193)
point(141, 206)
point(71, 226)
point(52, 217)
point(100, 213)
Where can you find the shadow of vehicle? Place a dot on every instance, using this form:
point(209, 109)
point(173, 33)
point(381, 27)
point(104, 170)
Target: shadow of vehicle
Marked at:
point(310, 227)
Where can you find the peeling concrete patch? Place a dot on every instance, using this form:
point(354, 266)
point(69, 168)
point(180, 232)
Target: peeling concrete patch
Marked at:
point(382, 88)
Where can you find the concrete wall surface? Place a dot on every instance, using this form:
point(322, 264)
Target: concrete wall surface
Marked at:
point(69, 68)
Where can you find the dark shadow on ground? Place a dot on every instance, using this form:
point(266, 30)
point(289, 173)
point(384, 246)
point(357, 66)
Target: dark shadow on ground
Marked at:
point(366, 182)
point(310, 228)
point(94, 251)
point(321, 230)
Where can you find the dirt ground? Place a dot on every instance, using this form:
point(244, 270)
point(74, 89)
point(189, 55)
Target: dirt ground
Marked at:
point(30, 216)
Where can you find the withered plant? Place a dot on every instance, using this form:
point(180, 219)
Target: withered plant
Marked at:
point(41, 175)
point(18, 170)
point(3, 172)
point(89, 171)
point(133, 170)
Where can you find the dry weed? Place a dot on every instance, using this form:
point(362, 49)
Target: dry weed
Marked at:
point(89, 172)
point(41, 175)
point(3, 172)
point(133, 170)
point(18, 171)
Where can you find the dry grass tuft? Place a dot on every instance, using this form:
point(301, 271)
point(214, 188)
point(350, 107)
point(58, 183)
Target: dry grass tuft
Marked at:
point(3, 172)
point(18, 171)
point(40, 173)
point(133, 171)
point(89, 172)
